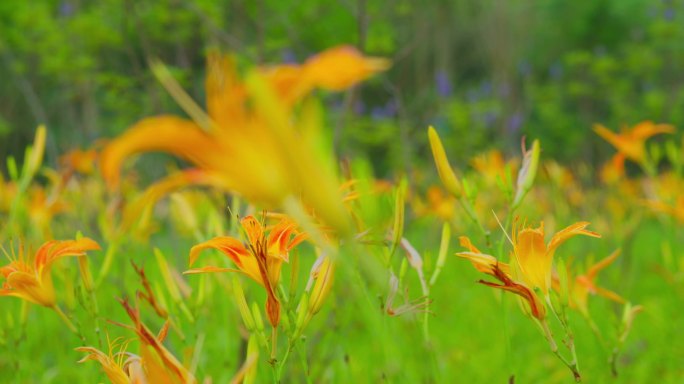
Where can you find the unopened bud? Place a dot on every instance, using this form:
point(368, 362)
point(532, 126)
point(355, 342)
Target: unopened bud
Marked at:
point(446, 174)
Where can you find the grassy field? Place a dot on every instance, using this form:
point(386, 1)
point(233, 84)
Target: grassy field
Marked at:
point(305, 268)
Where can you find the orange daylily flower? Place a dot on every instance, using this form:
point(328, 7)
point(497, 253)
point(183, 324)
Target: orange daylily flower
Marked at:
point(630, 142)
point(492, 166)
point(260, 259)
point(501, 271)
point(78, 160)
point(250, 143)
point(533, 259)
point(155, 364)
point(675, 210)
point(585, 285)
point(31, 280)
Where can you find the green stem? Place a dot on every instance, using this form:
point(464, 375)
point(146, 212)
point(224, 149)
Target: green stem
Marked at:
point(305, 364)
point(572, 365)
point(65, 318)
point(281, 364)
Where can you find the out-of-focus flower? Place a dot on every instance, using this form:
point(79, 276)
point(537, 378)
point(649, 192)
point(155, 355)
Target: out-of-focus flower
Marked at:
point(8, 190)
point(260, 258)
point(438, 204)
point(630, 142)
point(565, 180)
point(675, 210)
point(250, 143)
point(585, 284)
point(42, 208)
point(79, 160)
point(614, 169)
point(492, 166)
point(30, 278)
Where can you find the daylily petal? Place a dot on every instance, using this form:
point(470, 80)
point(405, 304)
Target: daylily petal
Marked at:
point(210, 269)
point(253, 229)
point(572, 230)
point(596, 268)
point(485, 263)
point(536, 306)
point(114, 372)
point(171, 134)
point(226, 96)
point(235, 250)
point(341, 67)
point(465, 242)
point(26, 286)
point(607, 134)
point(54, 250)
point(609, 295)
point(532, 258)
point(173, 182)
point(646, 129)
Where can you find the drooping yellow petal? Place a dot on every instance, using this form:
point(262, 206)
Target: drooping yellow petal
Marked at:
point(170, 134)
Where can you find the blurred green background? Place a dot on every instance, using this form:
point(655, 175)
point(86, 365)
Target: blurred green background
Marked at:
point(483, 72)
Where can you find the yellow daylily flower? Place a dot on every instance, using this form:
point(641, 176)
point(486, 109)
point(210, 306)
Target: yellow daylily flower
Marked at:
point(251, 143)
point(31, 279)
point(532, 258)
point(501, 271)
point(260, 259)
point(630, 142)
